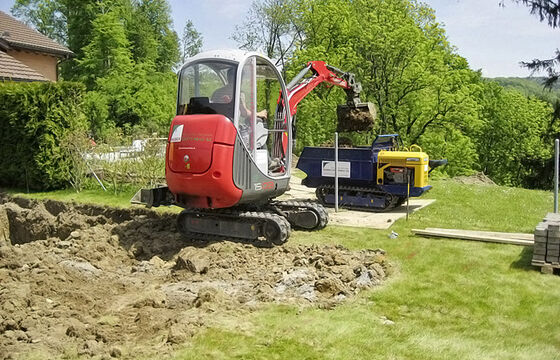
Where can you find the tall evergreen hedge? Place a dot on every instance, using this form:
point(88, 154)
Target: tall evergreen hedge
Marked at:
point(34, 119)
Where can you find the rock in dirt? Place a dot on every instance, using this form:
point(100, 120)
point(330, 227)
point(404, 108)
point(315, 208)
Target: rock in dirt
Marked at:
point(115, 352)
point(83, 267)
point(386, 321)
point(91, 348)
point(178, 334)
point(330, 285)
point(151, 298)
point(78, 331)
point(63, 244)
point(193, 260)
point(208, 295)
point(9, 324)
point(18, 335)
point(364, 280)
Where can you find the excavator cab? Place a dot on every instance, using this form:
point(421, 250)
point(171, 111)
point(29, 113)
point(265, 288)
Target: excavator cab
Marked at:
point(227, 143)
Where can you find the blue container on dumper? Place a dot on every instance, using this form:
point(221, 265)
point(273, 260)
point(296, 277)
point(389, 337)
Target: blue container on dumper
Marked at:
point(376, 177)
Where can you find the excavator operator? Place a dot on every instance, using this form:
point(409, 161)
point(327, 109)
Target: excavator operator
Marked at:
point(224, 95)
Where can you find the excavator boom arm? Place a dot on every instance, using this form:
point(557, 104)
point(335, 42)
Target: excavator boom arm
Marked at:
point(301, 86)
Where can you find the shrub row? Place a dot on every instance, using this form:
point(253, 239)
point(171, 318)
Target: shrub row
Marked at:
point(35, 118)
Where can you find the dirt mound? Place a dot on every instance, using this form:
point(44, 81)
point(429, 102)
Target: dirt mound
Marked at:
point(360, 118)
point(476, 179)
point(103, 282)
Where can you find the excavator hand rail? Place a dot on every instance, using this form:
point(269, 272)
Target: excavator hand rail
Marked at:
point(417, 147)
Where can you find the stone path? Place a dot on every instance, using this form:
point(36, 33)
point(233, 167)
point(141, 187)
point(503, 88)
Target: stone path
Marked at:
point(354, 218)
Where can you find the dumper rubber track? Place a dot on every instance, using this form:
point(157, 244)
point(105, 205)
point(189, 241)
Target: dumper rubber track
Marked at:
point(223, 224)
point(302, 215)
point(390, 201)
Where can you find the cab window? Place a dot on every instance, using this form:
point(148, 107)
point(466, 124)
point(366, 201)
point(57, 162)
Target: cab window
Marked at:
point(262, 117)
point(207, 88)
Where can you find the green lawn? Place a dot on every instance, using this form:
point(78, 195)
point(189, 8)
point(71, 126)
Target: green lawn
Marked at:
point(449, 299)
point(122, 199)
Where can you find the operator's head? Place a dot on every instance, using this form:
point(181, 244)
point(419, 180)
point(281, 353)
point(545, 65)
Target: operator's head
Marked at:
point(231, 75)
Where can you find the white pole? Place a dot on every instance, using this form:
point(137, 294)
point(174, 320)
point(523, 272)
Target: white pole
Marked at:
point(407, 193)
point(556, 155)
point(336, 171)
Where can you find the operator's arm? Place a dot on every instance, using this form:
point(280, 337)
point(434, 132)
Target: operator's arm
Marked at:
point(223, 95)
point(245, 112)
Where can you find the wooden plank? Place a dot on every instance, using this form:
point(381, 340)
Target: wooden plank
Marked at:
point(544, 263)
point(458, 234)
point(493, 234)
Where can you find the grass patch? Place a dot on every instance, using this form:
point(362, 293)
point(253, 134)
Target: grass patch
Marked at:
point(100, 197)
point(449, 299)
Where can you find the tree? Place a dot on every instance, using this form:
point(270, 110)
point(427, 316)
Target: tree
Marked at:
point(147, 23)
point(66, 21)
point(125, 51)
point(158, 14)
point(124, 93)
point(140, 32)
point(406, 66)
point(108, 52)
point(46, 16)
point(191, 41)
point(270, 26)
point(513, 136)
point(549, 11)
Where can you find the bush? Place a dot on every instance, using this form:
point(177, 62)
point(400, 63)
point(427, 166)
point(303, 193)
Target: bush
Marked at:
point(35, 118)
point(76, 144)
point(140, 101)
point(121, 169)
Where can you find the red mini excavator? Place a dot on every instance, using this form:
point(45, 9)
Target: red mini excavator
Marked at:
point(229, 148)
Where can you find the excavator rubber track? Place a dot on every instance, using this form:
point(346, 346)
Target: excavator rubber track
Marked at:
point(302, 215)
point(230, 223)
point(359, 198)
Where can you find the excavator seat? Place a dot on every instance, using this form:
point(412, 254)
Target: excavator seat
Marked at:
point(202, 105)
point(436, 163)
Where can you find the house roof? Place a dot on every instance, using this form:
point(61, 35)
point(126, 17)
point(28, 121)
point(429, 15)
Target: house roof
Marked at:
point(17, 35)
point(12, 69)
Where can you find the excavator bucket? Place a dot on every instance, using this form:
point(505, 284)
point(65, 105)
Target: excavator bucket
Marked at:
point(359, 117)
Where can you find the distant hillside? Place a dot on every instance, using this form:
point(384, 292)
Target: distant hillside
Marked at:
point(530, 86)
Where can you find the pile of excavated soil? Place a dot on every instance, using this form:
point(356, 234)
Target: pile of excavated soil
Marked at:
point(476, 179)
point(104, 282)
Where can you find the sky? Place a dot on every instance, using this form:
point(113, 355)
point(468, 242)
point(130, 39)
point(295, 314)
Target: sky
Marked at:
point(492, 38)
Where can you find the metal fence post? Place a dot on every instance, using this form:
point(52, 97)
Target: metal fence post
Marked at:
point(336, 171)
point(556, 155)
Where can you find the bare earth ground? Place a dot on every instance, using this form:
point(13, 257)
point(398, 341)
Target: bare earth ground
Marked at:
point(354, 218)
point(476, 179)
point(87, 281)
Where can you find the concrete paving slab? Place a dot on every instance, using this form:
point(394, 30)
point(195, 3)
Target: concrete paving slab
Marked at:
point(373, 220)
point(355, 218)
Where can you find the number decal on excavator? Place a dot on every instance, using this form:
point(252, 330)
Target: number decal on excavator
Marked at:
point(267, 185)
